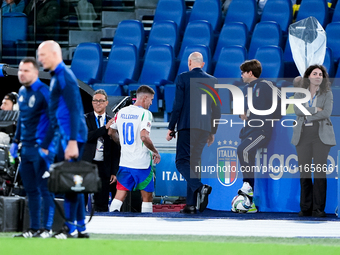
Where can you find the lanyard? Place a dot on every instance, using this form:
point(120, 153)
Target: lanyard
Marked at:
point(97, 122)
point(311, 103)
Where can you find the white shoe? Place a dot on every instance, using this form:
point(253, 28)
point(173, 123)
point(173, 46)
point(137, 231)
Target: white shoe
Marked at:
point(246, 190)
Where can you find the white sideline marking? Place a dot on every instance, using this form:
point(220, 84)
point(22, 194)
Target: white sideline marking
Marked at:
point(213, 227)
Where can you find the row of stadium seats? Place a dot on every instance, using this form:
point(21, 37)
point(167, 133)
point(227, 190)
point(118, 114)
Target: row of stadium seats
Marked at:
point(121, 73)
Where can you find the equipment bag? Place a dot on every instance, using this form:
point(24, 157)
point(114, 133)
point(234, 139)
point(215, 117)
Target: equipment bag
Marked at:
point(80, 177)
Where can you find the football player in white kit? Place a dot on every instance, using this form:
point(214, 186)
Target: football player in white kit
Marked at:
point(131, 128)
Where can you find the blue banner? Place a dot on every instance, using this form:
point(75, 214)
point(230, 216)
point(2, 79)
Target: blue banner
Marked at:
point(169, 182)
point(277, 189)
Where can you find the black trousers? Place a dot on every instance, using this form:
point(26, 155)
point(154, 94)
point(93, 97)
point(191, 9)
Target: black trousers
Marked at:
point(246, 152)
point(101, 199)
point(190, 144)
point(311, 150)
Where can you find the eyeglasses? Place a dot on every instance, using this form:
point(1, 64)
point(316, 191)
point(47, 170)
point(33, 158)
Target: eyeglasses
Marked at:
point(242, 72)
point(95, 101)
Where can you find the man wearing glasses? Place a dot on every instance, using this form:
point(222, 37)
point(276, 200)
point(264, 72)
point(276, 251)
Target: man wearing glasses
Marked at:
point(100, 148)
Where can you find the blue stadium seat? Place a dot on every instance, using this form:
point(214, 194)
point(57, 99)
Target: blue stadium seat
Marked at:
point(271, 60)
point(169, 96)
point(14, 35)
point(336, 102)
point(197, 32)
point(290, 69)
point(265, 33)
point(243, 11)
point(121, 68)
point(204, 50)
point(280, 11)
point(209, 10)
point(315, 8)
point(171, 10)
point(87, 62)
point(229, 61)
point(164, 32)
point(228, 71)
point(336, 14)
point(328, 63)
point(232, 33)
point(157, 71)
point(110, 89)
point(333, 39)
point(337, 75)
point(130, 31)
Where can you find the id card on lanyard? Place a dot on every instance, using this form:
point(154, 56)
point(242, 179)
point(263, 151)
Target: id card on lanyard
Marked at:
point(310, 104)
point(100, 141)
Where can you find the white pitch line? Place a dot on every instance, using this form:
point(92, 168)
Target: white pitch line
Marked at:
point(213, 227)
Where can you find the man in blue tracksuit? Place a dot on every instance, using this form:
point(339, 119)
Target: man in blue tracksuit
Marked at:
point(67, 116)
point(31, 129)
point(257, 131)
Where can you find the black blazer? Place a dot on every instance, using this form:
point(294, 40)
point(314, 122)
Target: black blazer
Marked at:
point(111, 149)
point(186, 93)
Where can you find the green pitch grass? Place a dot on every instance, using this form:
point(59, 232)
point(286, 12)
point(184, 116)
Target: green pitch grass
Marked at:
point(101, 244)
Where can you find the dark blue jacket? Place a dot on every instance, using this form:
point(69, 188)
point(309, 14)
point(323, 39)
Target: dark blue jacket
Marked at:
point(186, 111)
point(33, 119)
point(66, 110)
point(262, 100)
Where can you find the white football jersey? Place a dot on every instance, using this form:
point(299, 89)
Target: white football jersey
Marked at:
point(129, 122)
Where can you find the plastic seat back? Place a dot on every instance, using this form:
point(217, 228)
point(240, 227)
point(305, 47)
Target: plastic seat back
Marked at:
point(232, 33)
point(197, 32)
point(122, 64)
point(265, 33)
point(271, 60)
point(243, 11)
point(209, 10)
point(87, 62)
point(280, 11)
point(130, 31)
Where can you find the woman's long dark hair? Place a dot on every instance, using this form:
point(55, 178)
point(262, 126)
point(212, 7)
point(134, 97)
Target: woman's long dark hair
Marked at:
point(324, 86)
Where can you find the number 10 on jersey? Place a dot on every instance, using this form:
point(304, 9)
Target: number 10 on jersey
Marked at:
point(128, 134)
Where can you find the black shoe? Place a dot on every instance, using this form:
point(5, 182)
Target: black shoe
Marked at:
point(64, 233)
point(318, 213)
point(189, 209)
point(101, 210)
point(98, 208)
point(83, 234)
point(304, 214)
point(202, 197)
point(27, 234)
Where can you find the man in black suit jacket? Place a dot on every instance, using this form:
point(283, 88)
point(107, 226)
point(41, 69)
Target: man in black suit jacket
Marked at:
point(194, 129)
point(100, 148)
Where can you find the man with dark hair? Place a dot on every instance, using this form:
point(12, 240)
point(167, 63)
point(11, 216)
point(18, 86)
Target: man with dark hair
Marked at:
point(194, 130)
point(100, 149)
point(32, 126)
point(67, 117)
point(10, 102)
point(255, 135)
point(133, 125)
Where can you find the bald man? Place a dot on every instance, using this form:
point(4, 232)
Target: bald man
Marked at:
point(194, 129)
point(67, 117)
